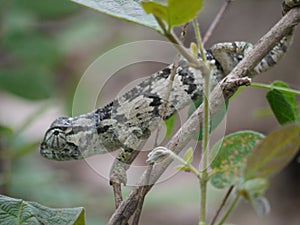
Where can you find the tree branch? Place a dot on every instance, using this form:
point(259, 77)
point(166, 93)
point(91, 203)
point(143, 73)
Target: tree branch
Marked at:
point(227, 88)
point(216, 21)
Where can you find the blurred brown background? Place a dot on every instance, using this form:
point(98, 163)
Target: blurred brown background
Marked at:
point(44, 50)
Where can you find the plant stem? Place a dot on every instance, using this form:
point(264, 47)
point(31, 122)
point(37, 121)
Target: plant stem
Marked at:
point(229, 211)
point(201, 66)
point(222, 205)
point(199, 40)
point(205, 142)
point(186, 54)
point(268, 86)
point(170, 84)
point(205, 146)
point(203, 185)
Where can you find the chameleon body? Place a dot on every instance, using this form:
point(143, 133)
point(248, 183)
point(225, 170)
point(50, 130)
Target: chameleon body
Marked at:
point(134, 115)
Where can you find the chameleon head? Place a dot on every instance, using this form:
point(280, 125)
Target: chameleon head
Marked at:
point(57, 146)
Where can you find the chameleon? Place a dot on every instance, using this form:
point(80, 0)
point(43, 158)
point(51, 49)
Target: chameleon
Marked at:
point(131, 117)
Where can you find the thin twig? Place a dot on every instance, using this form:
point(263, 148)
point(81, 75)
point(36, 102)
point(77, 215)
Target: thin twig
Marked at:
point(163, 115)
point(170, 84)
point(142, 195)
point(267, 42)
point(167, 95)
point(183, 32)
point(205, 122)
point(182, 50)
point(216, 21)
point(199, 40)
point(117, 193)
point(205, 148)
point(222, 205)
point(232, 206)
point(188, 129)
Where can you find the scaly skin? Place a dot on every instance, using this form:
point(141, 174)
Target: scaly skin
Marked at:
point(134, 115)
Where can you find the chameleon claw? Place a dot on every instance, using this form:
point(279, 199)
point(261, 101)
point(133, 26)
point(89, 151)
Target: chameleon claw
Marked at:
point(118, 173)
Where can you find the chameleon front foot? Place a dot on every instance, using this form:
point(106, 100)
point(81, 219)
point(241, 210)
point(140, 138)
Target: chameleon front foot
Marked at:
point(118, 177)
point(118, 173)
point(121, 165)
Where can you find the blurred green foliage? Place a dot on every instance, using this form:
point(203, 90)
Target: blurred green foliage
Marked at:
point(30, 54)
point(36, 54)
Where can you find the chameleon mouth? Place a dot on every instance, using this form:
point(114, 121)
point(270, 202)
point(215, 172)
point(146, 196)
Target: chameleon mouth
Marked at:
point(50, 154)
point(46, 153)
point(60, 155)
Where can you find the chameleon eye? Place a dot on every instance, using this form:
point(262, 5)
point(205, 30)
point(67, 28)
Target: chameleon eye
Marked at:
point(55, 139)
point(56, 132)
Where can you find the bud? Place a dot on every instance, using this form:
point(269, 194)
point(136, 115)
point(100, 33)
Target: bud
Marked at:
point(158, 154)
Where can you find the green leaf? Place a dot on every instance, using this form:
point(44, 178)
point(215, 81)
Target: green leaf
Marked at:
point(6, 135)
point(30, 83)
point(175, 12)
point(25, 149)
point(274, 152)
point(231, 154)
point(283, 104)
point(195, 105)
point(32, 177)
point(253, 191)
point(5, 130)
point(261, 205)
point(21, 45)
point(254, 187)
point(289, 96)
point(16, 211)
point(47, 9)
point(129, 10)
point(188, 156)
point(182, 168)
point(170, 125)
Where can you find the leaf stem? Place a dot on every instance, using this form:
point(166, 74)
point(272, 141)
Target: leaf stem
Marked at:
point(229, 211)
point(268, 86)
point(199, 40)
point(205, 141)
point(188, 165)
point(205, 146)
point(183, 51)
point(222, 204)
point(170, 84)
point(201, 66)
point(203, 185)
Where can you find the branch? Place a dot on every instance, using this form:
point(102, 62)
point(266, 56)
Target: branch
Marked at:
point(267, 42)
point(227, 88)
point(216, 21)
